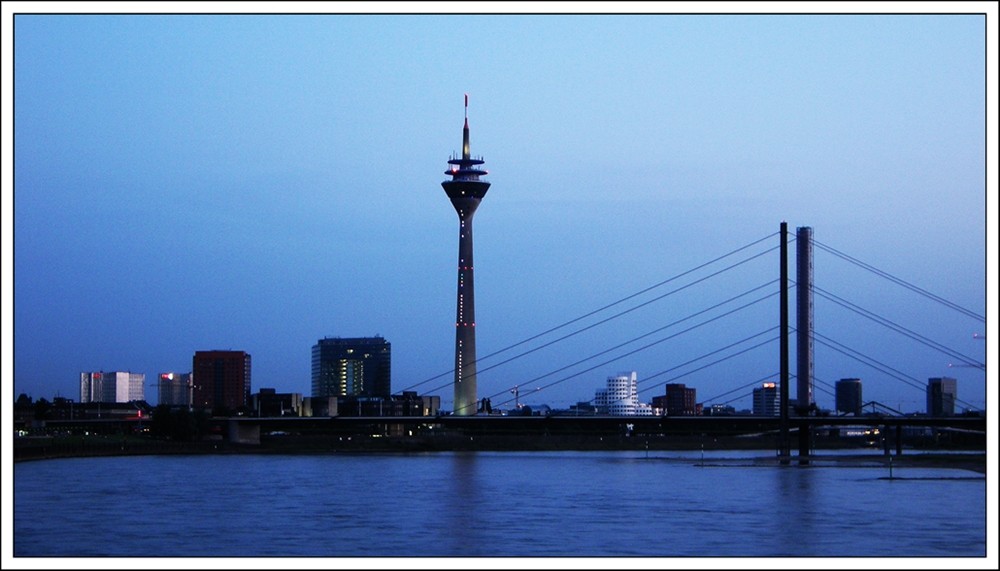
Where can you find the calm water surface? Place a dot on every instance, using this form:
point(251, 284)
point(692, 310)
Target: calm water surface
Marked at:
point(528, 504)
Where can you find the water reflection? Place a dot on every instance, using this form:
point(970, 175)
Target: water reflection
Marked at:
point(492, 504)
point(464, 498)
point(794, 510)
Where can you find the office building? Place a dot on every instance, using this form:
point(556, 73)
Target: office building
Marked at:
point(114, 386)
point(407, 404)
point(941, 395)
point(222, 380)
point(679, 400)
point(848, 396)
point(621, 397)
point(465, 190)
point(319, 406)
point(352, 366)
point(765, 400)
point(268, 403)
point(175, 389)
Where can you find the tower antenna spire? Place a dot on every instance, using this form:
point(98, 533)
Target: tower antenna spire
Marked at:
point(465, 132)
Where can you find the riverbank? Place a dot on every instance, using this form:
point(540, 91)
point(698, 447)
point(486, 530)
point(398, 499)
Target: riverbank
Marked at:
point(829, 454)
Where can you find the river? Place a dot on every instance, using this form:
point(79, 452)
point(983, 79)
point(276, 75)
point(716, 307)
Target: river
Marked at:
point(493, 504)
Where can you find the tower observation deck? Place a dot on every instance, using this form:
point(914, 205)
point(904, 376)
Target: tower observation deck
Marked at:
point(465, 190)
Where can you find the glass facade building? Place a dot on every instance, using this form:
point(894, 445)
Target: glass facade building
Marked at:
point(354, 366)
point(114, 386)
point(941, 395)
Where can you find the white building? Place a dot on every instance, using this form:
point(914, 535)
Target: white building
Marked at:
point(621, 397)
point(116, 386)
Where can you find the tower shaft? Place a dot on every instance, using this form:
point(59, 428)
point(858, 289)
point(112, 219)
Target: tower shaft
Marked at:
point(465, 314)
point(466, 191)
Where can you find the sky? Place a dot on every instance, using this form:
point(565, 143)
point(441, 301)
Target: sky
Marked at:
point(258, 182)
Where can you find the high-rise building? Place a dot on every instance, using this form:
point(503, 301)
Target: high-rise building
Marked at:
point(765, 400)
point(848, 396)
point(114, 386)
point(941, 395)
point(353, 366)
point(175, 389)
point(222, 379)
point(679, 400)
point(465, 190)
point(621, 397)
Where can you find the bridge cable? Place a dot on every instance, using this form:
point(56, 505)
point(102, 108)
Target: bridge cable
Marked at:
point(736, 398)
point(828, 388)
point(898, 328)
point(664, 339)
point(608, 306)
point(748, 349)
point(879, 366)
point(716, 362)
point(634, 339)
point(741, 387)
point(638, 382)
point(901, 282)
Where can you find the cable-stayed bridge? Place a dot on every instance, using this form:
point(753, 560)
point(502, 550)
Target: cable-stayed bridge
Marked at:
point(727, 322)
point(748, 315)
point(747, 331)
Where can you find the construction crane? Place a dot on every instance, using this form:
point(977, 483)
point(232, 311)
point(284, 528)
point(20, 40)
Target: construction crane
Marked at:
point(516, 392)
point(980, 337)
point(973, 365)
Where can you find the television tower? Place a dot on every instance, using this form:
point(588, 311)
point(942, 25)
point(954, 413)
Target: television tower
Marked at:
point(465, 191)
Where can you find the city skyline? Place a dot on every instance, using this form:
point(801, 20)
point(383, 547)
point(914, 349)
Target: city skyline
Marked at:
point(177, 394)
point(195, 182)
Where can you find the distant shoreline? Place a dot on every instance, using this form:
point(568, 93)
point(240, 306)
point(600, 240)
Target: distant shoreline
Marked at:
point(56, 447)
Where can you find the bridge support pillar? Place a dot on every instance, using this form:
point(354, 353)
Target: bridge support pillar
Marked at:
point(244, 432)
point(805, 437)
point(784, 438)
point(885, 440)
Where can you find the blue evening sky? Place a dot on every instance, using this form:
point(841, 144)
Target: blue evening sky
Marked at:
point(258, 182)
